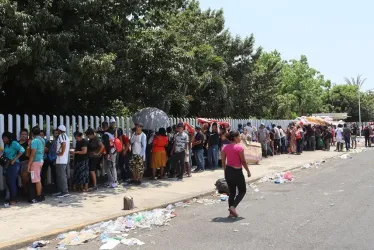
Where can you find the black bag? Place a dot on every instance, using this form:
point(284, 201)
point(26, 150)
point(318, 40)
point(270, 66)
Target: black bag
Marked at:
point(222, 186)
point(4, 161)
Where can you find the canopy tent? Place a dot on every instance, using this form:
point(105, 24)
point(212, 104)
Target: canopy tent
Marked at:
point(313, 120)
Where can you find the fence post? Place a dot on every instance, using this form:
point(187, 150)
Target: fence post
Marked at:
point(55, 122)
point(85, 123)
point(123, 124)
point(68, 126)
point(97, 122)
point(48, 127)
point(73, 125)
point(61, 120)
point(79, 124)
point(92, 122)
point(41, 122)
point(128, 129)
point(10, 123)
point(18, 126)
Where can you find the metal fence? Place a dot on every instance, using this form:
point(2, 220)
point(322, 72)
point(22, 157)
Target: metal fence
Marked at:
point(14, 124)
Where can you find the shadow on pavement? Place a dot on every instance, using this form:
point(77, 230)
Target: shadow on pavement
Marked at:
point(227, 219)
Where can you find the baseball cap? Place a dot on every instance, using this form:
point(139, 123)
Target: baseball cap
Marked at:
point(62, 128)
point(112, 120)
point(197, 127)
point(180, 125)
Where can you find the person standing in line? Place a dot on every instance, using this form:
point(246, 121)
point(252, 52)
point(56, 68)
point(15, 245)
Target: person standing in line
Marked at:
point(159, 155)
point(62, 160)
point(13, 151)
point(138, 145)
point(25, 142)
point(124, 159)
point(50, 160)
point(354, 133)
point(232, 162)
point(367, 136)
point(188, 158)
point(81, 167)
point(213, 145)
point(36, 162)
point(283, 140)
point(198, 148)
point(277, 140)
point(179, 150)
point(110, 157)
point(311, 137)
point(250, 131)
point(117, 133)
point(299, 140)
point(339, 138)
point(347, 137)
point(95, 149)
point(169, 164)
point(326, 136)
point(263, 138)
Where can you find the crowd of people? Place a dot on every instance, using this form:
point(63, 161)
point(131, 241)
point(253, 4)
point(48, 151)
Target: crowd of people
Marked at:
point(168, 153)
point(298, 137)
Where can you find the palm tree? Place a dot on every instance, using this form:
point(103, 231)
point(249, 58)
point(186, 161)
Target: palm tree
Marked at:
point(357, 82)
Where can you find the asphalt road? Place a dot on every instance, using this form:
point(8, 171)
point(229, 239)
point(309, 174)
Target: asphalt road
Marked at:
point(326, 208)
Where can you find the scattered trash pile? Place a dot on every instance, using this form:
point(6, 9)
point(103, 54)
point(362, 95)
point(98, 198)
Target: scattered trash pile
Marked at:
point(316, 164)
point(278, 178)
point(352, 151)
point(114, 232)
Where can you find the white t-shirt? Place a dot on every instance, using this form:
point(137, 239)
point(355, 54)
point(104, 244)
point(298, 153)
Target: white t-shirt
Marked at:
point(64, 159)
point(339, 133)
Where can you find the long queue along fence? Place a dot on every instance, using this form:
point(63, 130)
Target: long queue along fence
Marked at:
point(15, 123)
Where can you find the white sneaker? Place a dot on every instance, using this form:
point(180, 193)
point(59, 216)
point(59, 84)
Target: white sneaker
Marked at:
point(63, 195)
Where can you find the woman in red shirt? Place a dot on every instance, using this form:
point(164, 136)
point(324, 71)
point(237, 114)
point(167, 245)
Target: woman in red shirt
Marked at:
point(233, 162)
point(159, 156)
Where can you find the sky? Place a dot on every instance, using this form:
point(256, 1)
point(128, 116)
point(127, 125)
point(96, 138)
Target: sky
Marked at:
point(337, 36)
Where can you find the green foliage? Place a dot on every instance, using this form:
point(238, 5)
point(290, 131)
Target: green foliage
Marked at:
point(344, 99)
point(115, 57)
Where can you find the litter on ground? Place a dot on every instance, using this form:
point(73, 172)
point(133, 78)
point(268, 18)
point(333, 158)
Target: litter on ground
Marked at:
point(132, 242)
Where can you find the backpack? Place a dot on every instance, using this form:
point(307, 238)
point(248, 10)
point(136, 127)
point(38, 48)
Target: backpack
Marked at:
point(115, 143)
point(298, 134)
point(222, 186)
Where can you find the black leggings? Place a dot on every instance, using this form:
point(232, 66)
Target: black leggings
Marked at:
point(235, 179)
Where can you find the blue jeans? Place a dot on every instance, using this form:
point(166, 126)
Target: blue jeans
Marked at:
point(11, 176)
point(199, 155)
point(347, 143)
point(283, 145)
point(213, 156)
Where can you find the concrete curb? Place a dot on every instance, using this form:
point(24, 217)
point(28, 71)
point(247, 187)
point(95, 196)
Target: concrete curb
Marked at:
point(10, 245)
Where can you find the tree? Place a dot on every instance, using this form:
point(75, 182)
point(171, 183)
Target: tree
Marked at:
point(358, 81)
point(344, 99)
point(301, 89)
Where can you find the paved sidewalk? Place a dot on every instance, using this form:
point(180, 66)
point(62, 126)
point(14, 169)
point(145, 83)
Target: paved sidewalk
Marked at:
point(26, 222)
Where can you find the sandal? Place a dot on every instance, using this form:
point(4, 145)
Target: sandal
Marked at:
point(233, 212)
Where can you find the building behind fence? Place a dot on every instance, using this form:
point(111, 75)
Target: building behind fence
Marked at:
point(14, 124)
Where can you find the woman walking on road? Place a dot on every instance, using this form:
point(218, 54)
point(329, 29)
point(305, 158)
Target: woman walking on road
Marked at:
point(232, 162)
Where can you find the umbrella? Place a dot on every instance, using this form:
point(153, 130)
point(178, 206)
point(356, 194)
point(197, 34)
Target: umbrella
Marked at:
point(151, 118)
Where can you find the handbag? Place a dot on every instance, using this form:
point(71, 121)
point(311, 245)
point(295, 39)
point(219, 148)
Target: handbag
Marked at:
point(4, 161)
